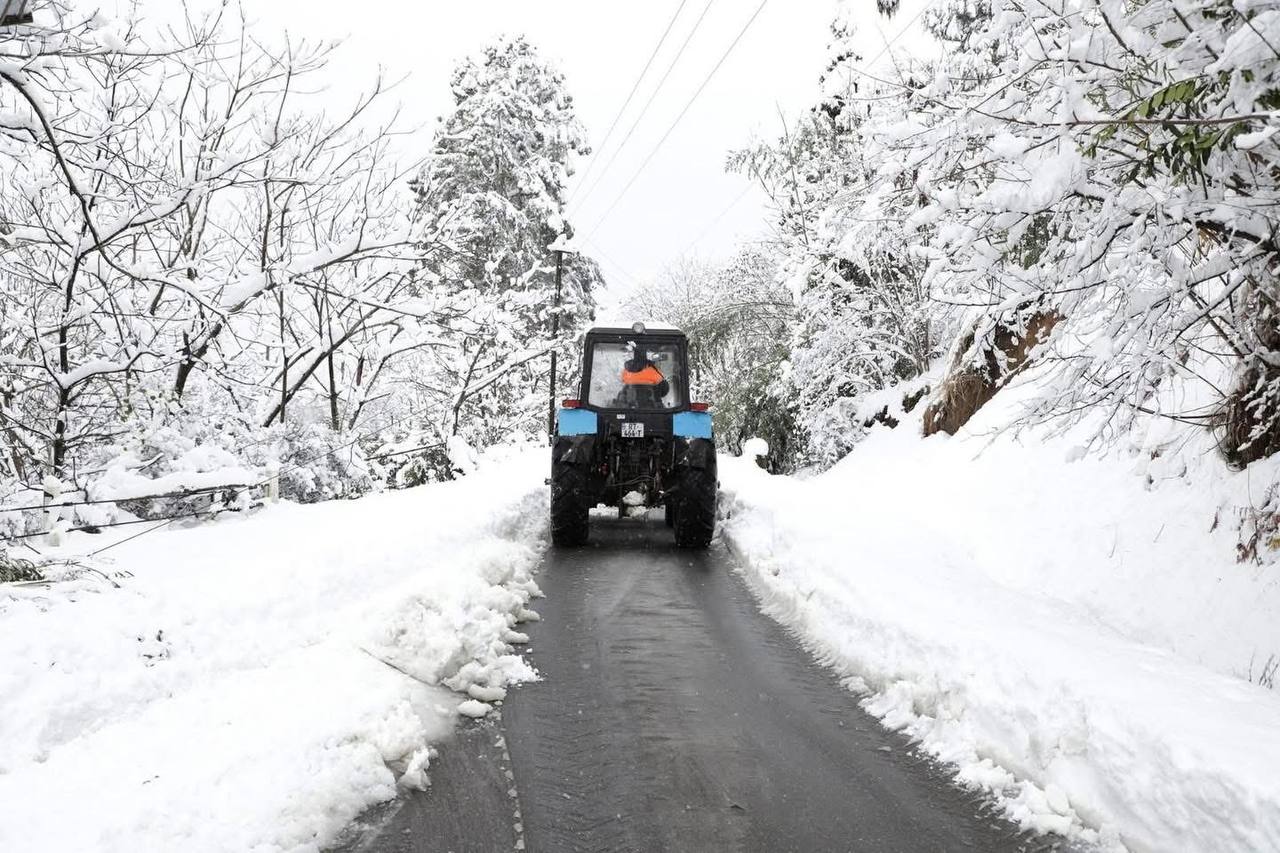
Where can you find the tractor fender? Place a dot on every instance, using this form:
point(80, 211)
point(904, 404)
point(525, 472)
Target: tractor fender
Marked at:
point(691, 425)
point(700, 453)
point(575, 449)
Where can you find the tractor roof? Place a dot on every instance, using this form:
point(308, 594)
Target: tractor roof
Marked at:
point(628, 327)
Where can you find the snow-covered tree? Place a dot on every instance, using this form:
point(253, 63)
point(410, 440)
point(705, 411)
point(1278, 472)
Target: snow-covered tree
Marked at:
point(194, 251)
point(1081, 185)
point(495, 182)
point(863, 319)
point(1113, 166)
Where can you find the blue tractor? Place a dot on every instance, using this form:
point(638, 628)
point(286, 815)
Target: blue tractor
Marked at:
point(633, 438)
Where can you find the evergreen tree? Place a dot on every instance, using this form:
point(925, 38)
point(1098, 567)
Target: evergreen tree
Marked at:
point(496, 183)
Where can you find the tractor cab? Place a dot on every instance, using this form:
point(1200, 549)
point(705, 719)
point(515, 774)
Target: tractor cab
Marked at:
point(632, 372)
point(633, 438)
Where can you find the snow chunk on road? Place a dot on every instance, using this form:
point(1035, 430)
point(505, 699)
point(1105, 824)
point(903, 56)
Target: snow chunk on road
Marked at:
point(260, 681)
point(474, 709)
point(487, 694)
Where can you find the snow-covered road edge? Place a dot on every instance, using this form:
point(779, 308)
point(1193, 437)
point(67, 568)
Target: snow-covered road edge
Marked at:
point(1020, 800)
point(259, 682)
point(1071, 726)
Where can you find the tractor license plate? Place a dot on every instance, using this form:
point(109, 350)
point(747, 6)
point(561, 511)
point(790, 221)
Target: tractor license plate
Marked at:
point(632, 429)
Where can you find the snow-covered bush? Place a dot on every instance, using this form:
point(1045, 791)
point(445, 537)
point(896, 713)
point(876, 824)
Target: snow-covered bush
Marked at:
point(314, 463)
point(188, 463)
point(425, 466)
point(166, 472)
point(13, 569)
point(1260, 528)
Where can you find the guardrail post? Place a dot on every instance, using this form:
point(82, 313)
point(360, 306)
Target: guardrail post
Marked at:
point(52, 489)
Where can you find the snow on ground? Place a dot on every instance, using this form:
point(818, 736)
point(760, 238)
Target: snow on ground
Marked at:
point(249, 686)
point(1072, 639)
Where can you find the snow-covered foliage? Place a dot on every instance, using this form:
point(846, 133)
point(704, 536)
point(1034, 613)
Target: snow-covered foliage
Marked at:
point(863, 318)
point(185, 235)
point(209, 273)
point(495, 182)
point(1111, 166)
point(738, 317)
point(1114, 165)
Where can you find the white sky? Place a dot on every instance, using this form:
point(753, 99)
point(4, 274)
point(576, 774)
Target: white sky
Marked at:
point(683, 202)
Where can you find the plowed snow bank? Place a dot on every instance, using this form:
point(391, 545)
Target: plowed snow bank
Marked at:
point(1070, 639)
point(249, 686)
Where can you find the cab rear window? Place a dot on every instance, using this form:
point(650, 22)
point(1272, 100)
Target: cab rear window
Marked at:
point(635, 375)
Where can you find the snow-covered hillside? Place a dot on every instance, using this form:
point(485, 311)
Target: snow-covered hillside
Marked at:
point(250, 682)
point(1068, 631)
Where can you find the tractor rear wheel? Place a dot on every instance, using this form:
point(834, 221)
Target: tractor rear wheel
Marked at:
point(570, 509)
point(695, 506)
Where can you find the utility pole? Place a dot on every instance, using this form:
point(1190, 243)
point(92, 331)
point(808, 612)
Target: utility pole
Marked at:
point(558, 248)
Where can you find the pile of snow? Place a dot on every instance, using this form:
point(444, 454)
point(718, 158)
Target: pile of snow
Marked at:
point(1065, 629)
point(255, 683)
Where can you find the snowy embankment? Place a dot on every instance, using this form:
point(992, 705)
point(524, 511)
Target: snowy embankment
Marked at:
point(1073, 640)
point(257, 682)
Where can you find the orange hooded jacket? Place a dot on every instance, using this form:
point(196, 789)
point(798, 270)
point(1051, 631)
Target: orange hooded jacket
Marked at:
point(648, 375)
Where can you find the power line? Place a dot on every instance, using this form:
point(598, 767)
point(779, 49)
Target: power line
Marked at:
point(716, 221)
point(619, 267)
point(645, 109)
point(888, 45)
point(181, 493)
point(137, 535)
point(890, 42)
point(674, 124)
point(626, 103)
point(56, 504)
point(712, 224)
point(706, 229)
point(94, 528)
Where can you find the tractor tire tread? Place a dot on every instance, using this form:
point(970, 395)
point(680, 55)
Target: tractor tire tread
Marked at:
point(695, 517)
point(570, 512)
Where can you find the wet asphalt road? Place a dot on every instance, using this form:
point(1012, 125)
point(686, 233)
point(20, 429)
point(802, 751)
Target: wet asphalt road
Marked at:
point(672, 715)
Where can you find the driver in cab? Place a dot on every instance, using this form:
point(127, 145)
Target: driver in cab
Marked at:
point(642, 381)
